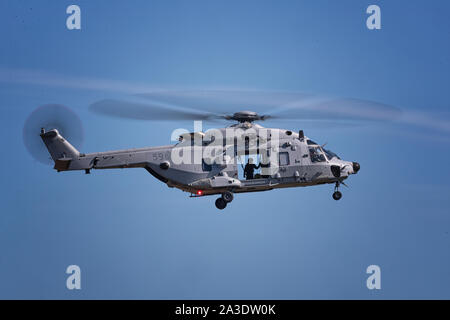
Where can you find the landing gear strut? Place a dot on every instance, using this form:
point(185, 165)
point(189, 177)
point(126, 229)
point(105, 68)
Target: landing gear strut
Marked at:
point(226, 197)
point(337, 194)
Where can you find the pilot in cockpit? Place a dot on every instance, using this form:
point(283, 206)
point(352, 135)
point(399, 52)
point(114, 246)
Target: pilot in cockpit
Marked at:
point(313, 154)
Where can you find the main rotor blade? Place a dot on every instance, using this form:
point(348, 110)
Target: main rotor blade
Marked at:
point(318, 108)
point(277, 104)
point(147, 111)
point(224, 100)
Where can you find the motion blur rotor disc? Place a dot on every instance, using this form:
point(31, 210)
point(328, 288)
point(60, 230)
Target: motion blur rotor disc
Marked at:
point(213, 105)
point(51, 116)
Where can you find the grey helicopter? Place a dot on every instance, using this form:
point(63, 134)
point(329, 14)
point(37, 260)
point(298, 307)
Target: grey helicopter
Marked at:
point(203, 163)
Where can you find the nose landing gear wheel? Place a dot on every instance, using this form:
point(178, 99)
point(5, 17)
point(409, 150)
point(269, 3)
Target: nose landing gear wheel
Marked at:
point(221, 203)
point(337, 195)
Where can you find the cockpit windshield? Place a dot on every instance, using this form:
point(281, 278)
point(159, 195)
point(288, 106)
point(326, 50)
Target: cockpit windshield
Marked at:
point(331, 154)
point(316, 154)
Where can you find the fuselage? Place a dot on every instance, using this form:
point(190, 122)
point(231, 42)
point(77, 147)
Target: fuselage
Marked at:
point(208, 163)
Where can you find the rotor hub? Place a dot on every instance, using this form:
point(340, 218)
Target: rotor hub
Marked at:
point(245, 116)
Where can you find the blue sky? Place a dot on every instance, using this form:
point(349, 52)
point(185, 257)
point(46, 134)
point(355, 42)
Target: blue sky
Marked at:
point(135, 238)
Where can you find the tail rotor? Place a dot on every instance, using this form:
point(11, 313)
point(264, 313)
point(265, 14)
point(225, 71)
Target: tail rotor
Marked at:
point(46, 118)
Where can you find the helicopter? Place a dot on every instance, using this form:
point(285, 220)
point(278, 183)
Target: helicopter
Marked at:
point(206, 163)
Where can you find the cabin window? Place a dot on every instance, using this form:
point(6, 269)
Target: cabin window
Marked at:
point(284, 158)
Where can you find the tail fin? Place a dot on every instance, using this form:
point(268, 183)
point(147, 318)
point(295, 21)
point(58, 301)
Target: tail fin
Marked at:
point(61, 151)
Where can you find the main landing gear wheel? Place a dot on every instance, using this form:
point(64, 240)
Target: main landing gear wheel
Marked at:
point(227, 196)
point(221, 203)
point(337, 194)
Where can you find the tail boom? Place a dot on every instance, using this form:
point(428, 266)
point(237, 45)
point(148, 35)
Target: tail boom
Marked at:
point(67, 157)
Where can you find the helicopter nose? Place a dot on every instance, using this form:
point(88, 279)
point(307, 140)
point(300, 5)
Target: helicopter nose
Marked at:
point(356, 167)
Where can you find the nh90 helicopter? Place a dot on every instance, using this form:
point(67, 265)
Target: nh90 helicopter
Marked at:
point(286, 158)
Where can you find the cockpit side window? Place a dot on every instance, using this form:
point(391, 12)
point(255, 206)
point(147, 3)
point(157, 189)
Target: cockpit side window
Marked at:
point(331, 154)
point(316, 154)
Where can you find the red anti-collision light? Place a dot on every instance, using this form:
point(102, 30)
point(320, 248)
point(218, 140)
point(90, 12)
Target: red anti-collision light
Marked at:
point(199, 192)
